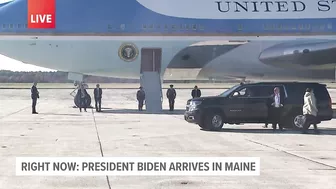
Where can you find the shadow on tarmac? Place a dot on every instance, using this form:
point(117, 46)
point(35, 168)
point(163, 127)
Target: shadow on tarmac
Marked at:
point(323, 131)
point(134, 111)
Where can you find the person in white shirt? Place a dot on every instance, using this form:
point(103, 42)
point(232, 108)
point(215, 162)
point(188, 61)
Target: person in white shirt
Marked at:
point(276, 108)
point(310, 110)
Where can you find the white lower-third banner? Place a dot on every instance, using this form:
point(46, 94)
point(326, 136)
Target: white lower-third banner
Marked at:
point(137, 166)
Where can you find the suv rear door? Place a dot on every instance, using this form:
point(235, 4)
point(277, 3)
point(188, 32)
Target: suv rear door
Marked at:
point(323, 102)
point(264, 94)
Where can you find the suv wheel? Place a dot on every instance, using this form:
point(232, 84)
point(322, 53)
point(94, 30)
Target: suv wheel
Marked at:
point(214, 121)
point(297, 121)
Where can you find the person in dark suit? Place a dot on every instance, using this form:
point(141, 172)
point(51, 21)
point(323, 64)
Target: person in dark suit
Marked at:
point(82, 98)
point(34, 95)
point(275, 108)
point(196, 92)
point(141, 96)
point(98, 92)
point(171, 95)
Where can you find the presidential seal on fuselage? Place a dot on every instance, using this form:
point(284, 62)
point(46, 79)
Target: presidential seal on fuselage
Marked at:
point(128, 52)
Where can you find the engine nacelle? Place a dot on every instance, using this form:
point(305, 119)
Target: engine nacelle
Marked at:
point(308, 54)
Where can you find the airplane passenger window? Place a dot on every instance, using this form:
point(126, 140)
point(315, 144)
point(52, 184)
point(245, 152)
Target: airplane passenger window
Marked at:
point(181, 27)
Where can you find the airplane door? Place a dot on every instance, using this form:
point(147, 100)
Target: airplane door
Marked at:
point(151, 59)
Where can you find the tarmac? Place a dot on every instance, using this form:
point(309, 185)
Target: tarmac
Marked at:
point(289, 159)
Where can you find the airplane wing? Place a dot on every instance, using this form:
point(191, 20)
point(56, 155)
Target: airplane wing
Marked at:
point(317, 54)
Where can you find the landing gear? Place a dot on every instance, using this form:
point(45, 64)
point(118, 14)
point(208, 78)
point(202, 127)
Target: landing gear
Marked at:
point(87, 101)
point(77, 96)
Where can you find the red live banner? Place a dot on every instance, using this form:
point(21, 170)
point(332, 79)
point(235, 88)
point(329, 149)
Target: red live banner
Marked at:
point(41, 14)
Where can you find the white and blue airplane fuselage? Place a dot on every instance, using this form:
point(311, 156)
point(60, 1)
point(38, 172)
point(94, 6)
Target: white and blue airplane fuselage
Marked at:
point(264, 39)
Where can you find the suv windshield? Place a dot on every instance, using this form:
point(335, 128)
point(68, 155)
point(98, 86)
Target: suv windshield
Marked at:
point(229, 91)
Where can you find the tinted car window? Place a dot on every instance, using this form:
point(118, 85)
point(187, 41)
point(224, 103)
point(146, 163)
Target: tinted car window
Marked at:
point(321, 93)
point(297, 92)
point(243, 92)
point(262, 91)
point(229, 91)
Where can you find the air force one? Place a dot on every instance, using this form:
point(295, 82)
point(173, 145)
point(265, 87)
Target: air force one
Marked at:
point(288, 39)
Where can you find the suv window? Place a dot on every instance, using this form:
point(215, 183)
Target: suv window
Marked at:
point(298, 91)
point(263, 91)
point(321, 92)
point(254, 91)
point(241, 93)
point(245, 92)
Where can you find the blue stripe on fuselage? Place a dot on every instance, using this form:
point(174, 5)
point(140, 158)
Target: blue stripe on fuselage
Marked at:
point(128, 16)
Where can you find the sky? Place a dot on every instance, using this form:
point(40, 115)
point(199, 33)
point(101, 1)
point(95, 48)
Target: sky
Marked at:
point(14, 65)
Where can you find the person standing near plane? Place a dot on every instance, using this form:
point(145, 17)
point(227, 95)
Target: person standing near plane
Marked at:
point(141, 96)
point(196, 92)
point(82, 98)
point(275, 110)
point(171, 95)
point(34, 95)
point(98, 92)
point(309, 110)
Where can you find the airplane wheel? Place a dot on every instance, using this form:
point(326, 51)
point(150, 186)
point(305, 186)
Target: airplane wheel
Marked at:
point(87, 101)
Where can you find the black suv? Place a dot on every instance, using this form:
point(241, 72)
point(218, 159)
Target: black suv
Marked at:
point(248, 103)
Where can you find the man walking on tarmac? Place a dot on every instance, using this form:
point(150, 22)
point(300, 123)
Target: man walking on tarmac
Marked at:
point(140, 97)
point(98, 92)
point(82, 98)
point(171, 95)
point(34, 95)
point(196, 92)
point(276, 108)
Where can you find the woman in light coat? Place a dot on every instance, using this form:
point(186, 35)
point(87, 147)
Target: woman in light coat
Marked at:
point(310, 110)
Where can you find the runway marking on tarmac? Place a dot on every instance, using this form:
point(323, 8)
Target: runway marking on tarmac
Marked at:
point(295, 155)
point(100, 145)
point(20, 110)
